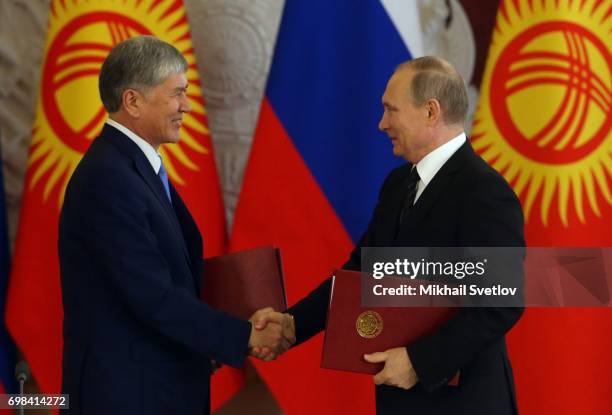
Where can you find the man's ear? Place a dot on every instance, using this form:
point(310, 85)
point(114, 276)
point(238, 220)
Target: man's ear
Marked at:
point(434, 111)
point(132, 100)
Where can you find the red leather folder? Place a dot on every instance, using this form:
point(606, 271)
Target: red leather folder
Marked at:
point(243, 282)
point(344, 347)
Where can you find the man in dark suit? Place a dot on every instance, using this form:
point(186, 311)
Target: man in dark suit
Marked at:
point(445, 196)
point(137, 340)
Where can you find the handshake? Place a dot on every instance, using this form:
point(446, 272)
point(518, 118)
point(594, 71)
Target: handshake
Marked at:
point(272, 334)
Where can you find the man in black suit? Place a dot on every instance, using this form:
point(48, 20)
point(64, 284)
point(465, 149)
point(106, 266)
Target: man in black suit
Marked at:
point(445, 196)
point(137, 340)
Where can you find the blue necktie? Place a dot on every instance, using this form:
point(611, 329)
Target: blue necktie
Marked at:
point(163, 176)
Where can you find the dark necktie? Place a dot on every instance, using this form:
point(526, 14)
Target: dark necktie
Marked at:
point(411, 190)
point(163, 176)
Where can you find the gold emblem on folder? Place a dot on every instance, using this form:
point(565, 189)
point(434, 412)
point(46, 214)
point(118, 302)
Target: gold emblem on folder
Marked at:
point(369, 324)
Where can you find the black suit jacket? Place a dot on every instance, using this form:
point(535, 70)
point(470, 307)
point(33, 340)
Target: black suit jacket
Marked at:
point(469, 204)
point(137, 340)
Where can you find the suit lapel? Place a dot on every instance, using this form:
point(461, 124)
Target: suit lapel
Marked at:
point(153, 182)
point(391, 221)
point(191, 235)
point(157, 187)
point(434, 189)
point(387, 228)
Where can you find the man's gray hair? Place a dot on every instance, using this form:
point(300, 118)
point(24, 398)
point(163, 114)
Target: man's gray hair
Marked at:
point(139, 63)
point(436, 78)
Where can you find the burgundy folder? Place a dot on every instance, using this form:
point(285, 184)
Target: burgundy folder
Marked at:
point(344, 346)
point(243, 282)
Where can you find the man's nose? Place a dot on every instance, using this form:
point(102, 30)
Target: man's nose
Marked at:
point(382, 124)
point(185, 104)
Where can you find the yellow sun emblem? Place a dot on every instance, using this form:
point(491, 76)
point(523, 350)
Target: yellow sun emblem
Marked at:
point(70, 114)
point(545, 112)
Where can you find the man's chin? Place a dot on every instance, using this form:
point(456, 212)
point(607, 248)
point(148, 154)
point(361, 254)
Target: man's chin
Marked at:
point(173, 139)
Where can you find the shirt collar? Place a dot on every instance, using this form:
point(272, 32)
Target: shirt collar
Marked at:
point(153, 156)
point(431, 163)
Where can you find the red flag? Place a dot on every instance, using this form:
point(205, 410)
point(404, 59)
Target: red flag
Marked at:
point(69, 116)
point(544, 121)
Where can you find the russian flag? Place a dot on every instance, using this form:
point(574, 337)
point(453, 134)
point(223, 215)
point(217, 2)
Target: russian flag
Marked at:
point(316, 165)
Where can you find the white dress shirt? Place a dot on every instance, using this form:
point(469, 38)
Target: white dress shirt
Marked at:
point(433, 162)
point(153, 156)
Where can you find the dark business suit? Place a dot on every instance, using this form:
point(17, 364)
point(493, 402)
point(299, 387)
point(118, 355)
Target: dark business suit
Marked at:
point(136, 338)
point(469, 204)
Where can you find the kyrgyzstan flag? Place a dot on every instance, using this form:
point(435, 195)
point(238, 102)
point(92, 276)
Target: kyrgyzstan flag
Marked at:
point(69, 116)
point(316, 166)
point(544, 122)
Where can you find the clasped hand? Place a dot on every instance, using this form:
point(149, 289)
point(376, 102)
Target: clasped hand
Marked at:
point(272, 334)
